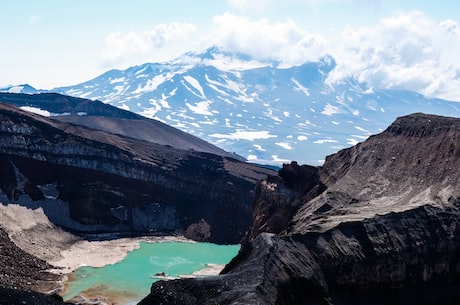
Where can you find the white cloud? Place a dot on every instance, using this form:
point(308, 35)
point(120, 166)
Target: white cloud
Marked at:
point(124, 47)
point(282, 41)
point(409, 52)
point(406, 51)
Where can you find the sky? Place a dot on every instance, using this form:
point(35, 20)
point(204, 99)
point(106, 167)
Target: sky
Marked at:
point(389, 44)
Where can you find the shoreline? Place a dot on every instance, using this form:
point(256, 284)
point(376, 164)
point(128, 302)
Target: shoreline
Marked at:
point(31, 230)
point(103, 295)
point(100, 253)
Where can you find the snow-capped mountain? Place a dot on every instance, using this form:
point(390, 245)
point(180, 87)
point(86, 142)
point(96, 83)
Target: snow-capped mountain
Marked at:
point(25, 88)
point(266, 113)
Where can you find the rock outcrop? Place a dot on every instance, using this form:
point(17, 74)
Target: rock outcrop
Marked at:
point(379, 223)
point(90, 181)
point(22, 274)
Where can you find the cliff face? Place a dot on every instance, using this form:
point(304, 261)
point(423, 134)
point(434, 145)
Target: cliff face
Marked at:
point(93, 181)
point(377, 224)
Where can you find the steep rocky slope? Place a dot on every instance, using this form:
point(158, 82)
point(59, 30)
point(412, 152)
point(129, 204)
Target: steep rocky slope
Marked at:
point(22, 274)
point(100, 116)
point(88, 180)
point(377, 224)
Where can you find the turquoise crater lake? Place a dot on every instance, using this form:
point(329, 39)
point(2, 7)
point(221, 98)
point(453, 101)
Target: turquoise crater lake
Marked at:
point(130, 279)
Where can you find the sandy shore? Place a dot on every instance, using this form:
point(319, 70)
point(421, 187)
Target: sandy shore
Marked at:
point(31, 230)
point(102, 253)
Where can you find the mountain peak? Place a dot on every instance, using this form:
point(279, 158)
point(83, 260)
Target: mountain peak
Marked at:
point(222, 59)
point(23, 88)
point(266, 112)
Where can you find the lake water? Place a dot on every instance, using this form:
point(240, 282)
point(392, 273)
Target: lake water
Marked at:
point(130, 279)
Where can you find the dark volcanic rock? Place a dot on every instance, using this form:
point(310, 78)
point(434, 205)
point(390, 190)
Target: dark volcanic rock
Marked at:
point(93, 181)
point(22, 274)
point(279, 197)
point(377, 224)
point(20, 297)
point(100, 116)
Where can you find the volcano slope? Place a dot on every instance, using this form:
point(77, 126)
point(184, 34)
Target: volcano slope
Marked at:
point(92, 181)
point(379, 223)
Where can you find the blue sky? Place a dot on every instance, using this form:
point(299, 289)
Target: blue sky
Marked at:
point(390, 44)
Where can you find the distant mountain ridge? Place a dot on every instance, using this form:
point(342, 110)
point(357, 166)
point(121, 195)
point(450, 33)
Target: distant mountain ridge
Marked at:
point(97, 115)
point(259, 110)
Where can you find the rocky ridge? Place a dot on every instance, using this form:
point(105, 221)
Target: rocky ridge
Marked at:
point(97, 115)
point(89, 180)
point(377, 224)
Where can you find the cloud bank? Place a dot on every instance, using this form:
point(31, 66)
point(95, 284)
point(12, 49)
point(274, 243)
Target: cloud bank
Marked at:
point(407, 51)
point(128, 48)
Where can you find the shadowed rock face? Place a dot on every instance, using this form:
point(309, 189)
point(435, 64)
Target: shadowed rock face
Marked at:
point(93, 181)
point(377, 224)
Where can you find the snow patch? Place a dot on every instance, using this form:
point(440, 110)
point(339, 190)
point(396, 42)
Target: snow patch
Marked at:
point(272, 116)
point(153, 83)
point(117, 80)
point(200, 108)
point(300, 88)
point(213, 84)
point(362, 129)
point(352, 141)
point(36, 110)
point(230, 63)
point(322, 141)
point(259, 147)
point(284, 145)
point(276, 159)
point(16, 89)
point(124, 107)
point(195, 84)
point(244, 135)
point(330, 110)
point(141, 71)
point(302, 138)
point(369, 91)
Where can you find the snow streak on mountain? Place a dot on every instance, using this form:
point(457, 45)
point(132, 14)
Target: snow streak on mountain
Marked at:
point(263, 112)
